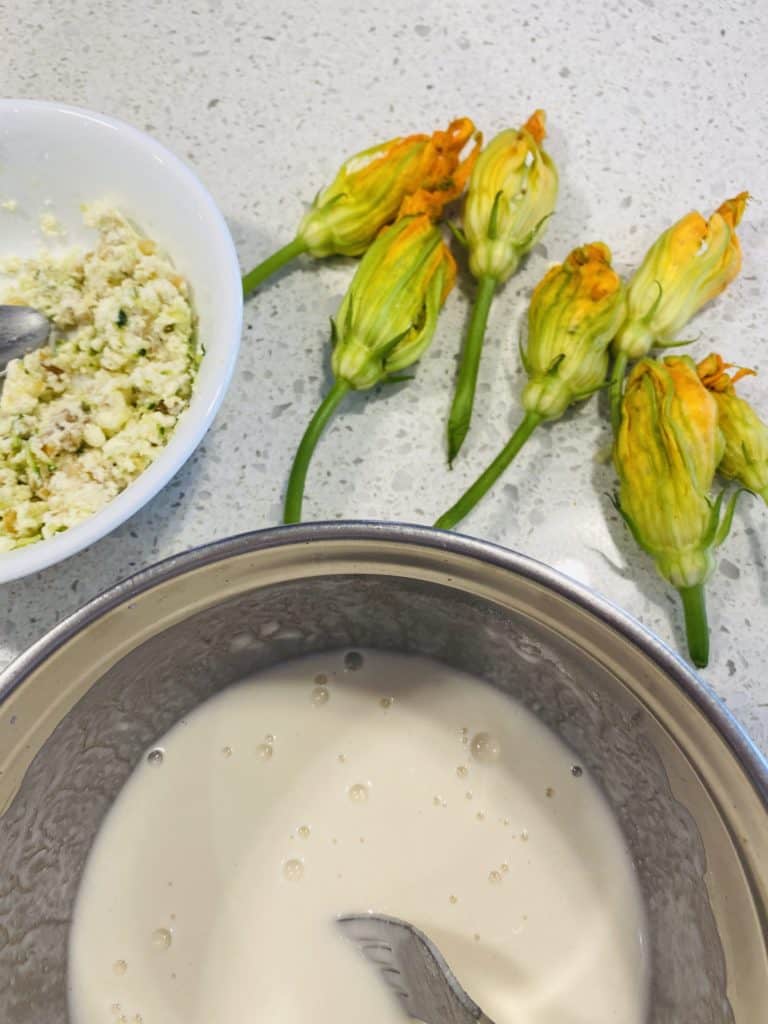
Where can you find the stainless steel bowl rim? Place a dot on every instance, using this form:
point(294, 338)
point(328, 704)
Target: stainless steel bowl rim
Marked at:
point(752, 761)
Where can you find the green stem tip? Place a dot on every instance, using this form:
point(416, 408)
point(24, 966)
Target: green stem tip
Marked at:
point(616, 388)
point(696, 625)
point(272, 264)
point(488, 478)
point(466, 383)
point(295, 494)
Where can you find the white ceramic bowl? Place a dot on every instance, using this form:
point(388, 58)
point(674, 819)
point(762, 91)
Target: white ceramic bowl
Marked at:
point(53, 158)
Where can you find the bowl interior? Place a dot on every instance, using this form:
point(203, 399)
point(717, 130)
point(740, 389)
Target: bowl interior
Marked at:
point(54, 158)
point(188, 637)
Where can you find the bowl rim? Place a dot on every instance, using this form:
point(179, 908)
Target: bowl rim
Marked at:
point(42, 554)
point(749, 757)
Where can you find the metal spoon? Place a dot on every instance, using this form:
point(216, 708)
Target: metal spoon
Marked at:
point(414, 968)
point(22, 329)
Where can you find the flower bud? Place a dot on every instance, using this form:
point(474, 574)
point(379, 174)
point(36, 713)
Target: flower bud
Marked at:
point(511, 195)
point(574, 313)
point(686, 267)
point(745, 457)
point(390, 311)
point(417, 174)
point(667, 448)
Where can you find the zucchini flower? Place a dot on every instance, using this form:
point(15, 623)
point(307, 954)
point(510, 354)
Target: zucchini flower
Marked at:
point(511, 196)
point(574, 313)
point(685, 268)
point(416, 174)
point(385, 323)
point(745, 458)
point(666, 451)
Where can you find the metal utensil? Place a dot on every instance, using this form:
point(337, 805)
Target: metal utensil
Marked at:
point(414, 968)
point(22, 329)
point(685, 784)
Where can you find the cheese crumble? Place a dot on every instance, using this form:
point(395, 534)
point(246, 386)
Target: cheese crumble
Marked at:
point(85, 415)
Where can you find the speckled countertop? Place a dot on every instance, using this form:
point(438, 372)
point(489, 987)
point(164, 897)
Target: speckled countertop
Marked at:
point(653, 109)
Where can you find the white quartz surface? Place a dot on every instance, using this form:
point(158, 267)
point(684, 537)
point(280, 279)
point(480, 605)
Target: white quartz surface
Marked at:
point(653, 109)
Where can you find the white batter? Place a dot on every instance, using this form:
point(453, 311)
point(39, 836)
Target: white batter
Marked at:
point(324, 787)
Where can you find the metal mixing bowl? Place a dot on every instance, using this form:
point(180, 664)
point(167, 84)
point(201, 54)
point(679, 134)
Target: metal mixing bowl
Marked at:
point(687, 787)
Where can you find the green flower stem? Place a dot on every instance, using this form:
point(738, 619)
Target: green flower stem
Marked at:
point(272, 263)
point(295, 493)
point(488, 478)
point(464, 397)
point(696, 626)
point(616, 387)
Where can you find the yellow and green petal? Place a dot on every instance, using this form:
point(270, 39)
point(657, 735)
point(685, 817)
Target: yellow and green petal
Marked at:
point(574, 313)
point(685, 268)
point(415, 174)
point(745, 454)
point(389, 313)
point(666, 451)
point(511, 195)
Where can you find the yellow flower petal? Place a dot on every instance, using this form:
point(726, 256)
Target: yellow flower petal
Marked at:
point(745, 455)
point(511, 195)
point(666, 451)
point(416, 174)
point(685, 268)
point(389, 314)
point(574, 313)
